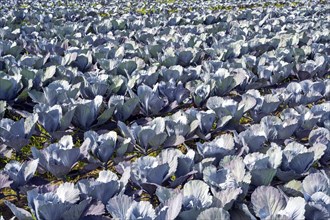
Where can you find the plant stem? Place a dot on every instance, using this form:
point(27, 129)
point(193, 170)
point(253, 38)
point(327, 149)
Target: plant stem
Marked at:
point(18, 195)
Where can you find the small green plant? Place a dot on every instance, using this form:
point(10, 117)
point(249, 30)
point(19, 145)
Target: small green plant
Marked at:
point(142, 11)
point(24, 6)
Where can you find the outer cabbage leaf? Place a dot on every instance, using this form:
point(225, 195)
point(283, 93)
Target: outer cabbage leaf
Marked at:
point(267, 201)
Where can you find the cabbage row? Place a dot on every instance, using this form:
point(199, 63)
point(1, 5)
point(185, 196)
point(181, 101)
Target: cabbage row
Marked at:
point(165, 110)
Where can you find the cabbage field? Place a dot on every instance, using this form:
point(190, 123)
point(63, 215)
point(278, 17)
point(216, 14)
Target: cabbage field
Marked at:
point(163, 109)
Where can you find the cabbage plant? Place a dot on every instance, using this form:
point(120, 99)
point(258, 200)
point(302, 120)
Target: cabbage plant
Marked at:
point(123, 207)
point(122, 107)
point(57, 92)
point(268, 202)
point(102, 147)
point(87, 112)
point(297, 159)
point(10, 86)
point(52, 118)
point(152, 135)
point(17, 134)
point(20, 173)
point(58, 158)
point(101, 189)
